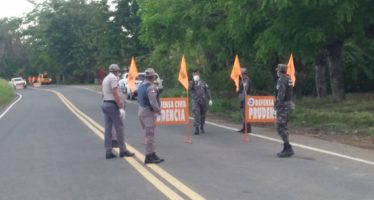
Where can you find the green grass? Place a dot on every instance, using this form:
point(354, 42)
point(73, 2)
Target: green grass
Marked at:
point(6, 92)
point(355, 115)
point(352, 116)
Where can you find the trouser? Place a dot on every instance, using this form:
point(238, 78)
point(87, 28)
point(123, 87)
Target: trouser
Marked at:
point(199, 110)
point(282, 123)
point(113, 119)
point(148, 125)
point(249, 126)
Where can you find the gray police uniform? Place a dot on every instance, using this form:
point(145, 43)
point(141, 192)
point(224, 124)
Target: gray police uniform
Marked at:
point(200, 97)
point(112, 114)
point(244, 90)
point(283, 105)
point(149, 105)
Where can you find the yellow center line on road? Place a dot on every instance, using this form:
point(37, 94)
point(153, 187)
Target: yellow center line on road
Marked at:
point(98, 130)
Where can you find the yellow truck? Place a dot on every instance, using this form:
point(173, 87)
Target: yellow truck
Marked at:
point(44, 78)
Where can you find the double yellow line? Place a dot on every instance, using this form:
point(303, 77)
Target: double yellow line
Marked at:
point(136, 161)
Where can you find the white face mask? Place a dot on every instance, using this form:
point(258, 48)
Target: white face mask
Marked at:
point(196, 77)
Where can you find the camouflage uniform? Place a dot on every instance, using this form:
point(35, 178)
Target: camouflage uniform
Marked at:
point(283, 106)
point(149, 108)
point(200, 97)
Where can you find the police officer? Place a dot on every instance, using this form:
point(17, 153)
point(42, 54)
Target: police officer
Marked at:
point(200, 98)
point(114, 112)
point(149, 108)
point(244, 90)
point(283, 105)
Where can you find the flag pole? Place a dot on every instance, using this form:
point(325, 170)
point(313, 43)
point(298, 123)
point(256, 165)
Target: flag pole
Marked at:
point(188, 138)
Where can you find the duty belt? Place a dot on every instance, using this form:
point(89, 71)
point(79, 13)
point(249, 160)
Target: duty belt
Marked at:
point(109, 101)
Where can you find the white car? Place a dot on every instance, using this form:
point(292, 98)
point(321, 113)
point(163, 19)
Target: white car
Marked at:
point(125, 88)
point(18, 81)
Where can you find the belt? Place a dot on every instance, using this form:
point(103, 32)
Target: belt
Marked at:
point(109, 101)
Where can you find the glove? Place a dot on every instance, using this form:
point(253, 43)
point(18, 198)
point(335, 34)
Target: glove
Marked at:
point(122, 113)
point(210, 102)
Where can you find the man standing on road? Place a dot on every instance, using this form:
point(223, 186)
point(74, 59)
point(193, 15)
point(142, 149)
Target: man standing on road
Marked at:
point(200, 98)
point(244, 90)
point(149, 108)
point(283, 106)
point(114, 112)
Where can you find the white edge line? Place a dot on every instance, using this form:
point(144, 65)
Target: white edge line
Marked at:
point(279, 141)
point(11, 105)
point(300, 146)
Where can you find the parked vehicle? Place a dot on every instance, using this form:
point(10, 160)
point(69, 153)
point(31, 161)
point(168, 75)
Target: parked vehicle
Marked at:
point(18, 81)
point(44, 78)
point(125, 88)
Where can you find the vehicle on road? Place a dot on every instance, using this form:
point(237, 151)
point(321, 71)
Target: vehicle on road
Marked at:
point(18, 81)
point(125, 88)
point(44, 78)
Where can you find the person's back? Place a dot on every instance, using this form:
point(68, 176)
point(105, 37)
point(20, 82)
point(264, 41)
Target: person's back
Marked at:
point(114, 113)
point(109, 82)
point(149, 107)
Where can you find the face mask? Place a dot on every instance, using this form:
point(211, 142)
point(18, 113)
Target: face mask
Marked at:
point(196, 78)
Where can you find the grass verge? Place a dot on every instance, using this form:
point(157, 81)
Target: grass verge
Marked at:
point(353, 116)
point(6, 92)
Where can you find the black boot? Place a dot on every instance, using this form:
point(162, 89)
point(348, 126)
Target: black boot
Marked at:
point(110, 155)
point(197, 132)
point(249, 128)
point(158, 158)
point(286, 152)
point(241, 130)
point(149, 159)
point(202, 129)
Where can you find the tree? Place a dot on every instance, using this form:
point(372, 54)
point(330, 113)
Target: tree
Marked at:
point(14, 54)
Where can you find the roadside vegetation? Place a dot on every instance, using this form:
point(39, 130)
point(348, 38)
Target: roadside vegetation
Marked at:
point(353, 116)
point(332, 43)
point(6, 92)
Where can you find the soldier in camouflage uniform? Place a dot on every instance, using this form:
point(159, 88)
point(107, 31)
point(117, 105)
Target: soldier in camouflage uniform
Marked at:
point(283, 105)
point(149, 108)
point(200, 99)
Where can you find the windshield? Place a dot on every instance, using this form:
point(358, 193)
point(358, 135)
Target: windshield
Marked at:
point(140, 77)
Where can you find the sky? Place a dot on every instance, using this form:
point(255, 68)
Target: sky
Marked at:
point(14, 8)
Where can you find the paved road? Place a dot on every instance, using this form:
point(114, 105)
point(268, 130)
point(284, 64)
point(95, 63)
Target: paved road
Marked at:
point(51, 147)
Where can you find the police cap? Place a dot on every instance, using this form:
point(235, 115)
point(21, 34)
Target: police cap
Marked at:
point(150, 72)
point(114, 67)
point(281, 67)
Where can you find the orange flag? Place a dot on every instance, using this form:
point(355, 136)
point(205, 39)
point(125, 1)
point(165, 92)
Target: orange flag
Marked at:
point(183, 77)
point(291, 70)
point(133, 73)
point(235, 73)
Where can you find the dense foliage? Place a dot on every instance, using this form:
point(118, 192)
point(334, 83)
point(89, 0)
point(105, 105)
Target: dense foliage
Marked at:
point(332, 41)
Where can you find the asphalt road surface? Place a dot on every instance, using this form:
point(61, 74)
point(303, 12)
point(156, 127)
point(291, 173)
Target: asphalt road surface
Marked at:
point(51, 147)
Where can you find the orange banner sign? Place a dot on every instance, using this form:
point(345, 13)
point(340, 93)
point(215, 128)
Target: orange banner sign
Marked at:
point(173, 111)
point(259, 109)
